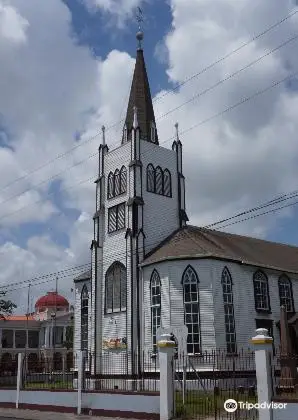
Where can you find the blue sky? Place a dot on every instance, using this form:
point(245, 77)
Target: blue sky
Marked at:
point(66, 69)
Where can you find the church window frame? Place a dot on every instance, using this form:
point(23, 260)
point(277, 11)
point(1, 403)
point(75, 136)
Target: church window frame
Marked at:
point(261, 292)
point(155, 307)
point(228, 302)
point(116, 218)
point(167, 183)
point(150, 178)
point(159, 180)
point(123, 180)
point(191, 304)
point(115, 288)
point(285, 292)
point(116, 183)
point(111, 185)
point(84, 317)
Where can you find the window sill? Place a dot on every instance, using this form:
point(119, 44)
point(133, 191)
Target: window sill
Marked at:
point(114, 232)
point(162, 195)
point(264, 311)
point(117, 196)
point(114, 312)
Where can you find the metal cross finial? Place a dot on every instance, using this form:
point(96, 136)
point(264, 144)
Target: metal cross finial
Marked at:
point(103, 129)
point(140, 20)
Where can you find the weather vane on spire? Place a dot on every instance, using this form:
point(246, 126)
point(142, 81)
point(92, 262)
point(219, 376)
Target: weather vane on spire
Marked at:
point(140, 20)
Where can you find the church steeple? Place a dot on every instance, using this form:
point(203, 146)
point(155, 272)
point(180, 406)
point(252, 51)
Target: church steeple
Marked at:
point(140, 97)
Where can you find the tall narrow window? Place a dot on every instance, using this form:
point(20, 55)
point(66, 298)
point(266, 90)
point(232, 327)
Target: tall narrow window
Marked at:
point(261, 292)
point(117, 182)
point(115, 288)
point(150, 178)
point(158, 180)
point(227, 290)
point(84, 318)
point(190, 284)
point(167, 187)
point(285, 293)
point(110, 185)
point(155, 306)
point(123, 180)
point(116, 218)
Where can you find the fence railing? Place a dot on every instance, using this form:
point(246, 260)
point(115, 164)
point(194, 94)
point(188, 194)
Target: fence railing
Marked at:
point(285, 375)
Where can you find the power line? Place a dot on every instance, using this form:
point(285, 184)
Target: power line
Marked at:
point(219, 114)
point(169, 112)
point(62, 155)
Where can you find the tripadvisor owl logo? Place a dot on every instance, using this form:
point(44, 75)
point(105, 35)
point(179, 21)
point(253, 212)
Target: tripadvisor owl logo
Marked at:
point(230, 405)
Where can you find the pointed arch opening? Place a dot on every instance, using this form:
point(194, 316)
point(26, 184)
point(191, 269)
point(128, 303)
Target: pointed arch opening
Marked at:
point(159, 180)
point(227, 290)
point(110, 185)
point(150, 178)
point(286, 293)
point(167, 184)
point(155, 296)
point(190, 283)
point(84, 318)
point(115, 288)
point(117, 182)
point(261, 292)
point(123, 180)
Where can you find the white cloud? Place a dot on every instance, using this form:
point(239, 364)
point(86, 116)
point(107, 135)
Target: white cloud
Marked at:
point(12, 25)
point(119, 10)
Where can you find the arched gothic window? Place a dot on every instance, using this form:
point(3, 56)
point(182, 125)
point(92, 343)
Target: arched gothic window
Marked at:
point(261, 292)
point(190, 284)
point(155, 286)
point(123, 180)
point(286, 293)
point(111, 185)
point(115, 288)
point(150, 178)
point(117, 182)
point(158, 180)
point(227, 290)
point(84, 318)
point(167, 185)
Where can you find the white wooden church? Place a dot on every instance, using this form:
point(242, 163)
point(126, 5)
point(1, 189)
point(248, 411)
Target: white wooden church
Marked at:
point(151, 269)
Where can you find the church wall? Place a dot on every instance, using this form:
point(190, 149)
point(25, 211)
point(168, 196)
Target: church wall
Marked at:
point(172, 308)
point(160, 213)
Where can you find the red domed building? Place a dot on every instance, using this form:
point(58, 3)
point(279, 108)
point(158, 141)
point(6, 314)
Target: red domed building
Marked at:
point(46, 334)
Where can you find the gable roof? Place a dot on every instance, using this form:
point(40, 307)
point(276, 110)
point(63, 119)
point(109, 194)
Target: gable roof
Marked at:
point(84, 276)
point(195, 242)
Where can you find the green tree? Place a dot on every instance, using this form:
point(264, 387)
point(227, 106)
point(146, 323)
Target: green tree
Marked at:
point(68, 343)
point(6, 306)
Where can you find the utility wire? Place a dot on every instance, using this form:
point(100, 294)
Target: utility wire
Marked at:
point(62, 155)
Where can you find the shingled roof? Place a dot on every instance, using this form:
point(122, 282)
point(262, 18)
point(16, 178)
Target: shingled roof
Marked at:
point(194, 242)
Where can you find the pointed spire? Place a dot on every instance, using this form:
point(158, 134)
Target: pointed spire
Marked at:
point(177, 133)
point(103, 129)
point(135, 118)
point(140, 97)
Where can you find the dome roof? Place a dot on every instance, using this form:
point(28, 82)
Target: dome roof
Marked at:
point(51, 300)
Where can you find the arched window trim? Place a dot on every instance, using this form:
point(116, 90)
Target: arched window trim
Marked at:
point(84, 317)
point(194, 346)
point(123, 180)
point(166, 171)
point(157, 169)
point(151, 169)
point(111, 185)
point(122, 289)
point(291, 298)
point(228, 303)
point(155, 308)
point(117, 186)
point(255, 280)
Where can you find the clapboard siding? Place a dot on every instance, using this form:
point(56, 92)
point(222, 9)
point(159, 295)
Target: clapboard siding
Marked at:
point(160, 213)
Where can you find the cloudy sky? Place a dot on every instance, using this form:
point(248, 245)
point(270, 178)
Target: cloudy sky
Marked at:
point(66, 68)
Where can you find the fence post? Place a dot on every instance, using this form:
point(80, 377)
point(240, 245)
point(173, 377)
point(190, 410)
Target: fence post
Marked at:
point(262, 344)
point(166, 381)
point(19, 377)
point(81, 368)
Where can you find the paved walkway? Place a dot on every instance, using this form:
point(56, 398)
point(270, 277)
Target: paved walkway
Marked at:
point(12, 413)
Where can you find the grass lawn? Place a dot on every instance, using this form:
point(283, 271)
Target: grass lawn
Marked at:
point(47, 385)
point(200, 404)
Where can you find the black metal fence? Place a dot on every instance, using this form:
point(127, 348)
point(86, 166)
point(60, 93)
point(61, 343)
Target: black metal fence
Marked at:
point(285, 376)
point(53, 371)
point(8, 370)
point(125, 371)
point(203, 383)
